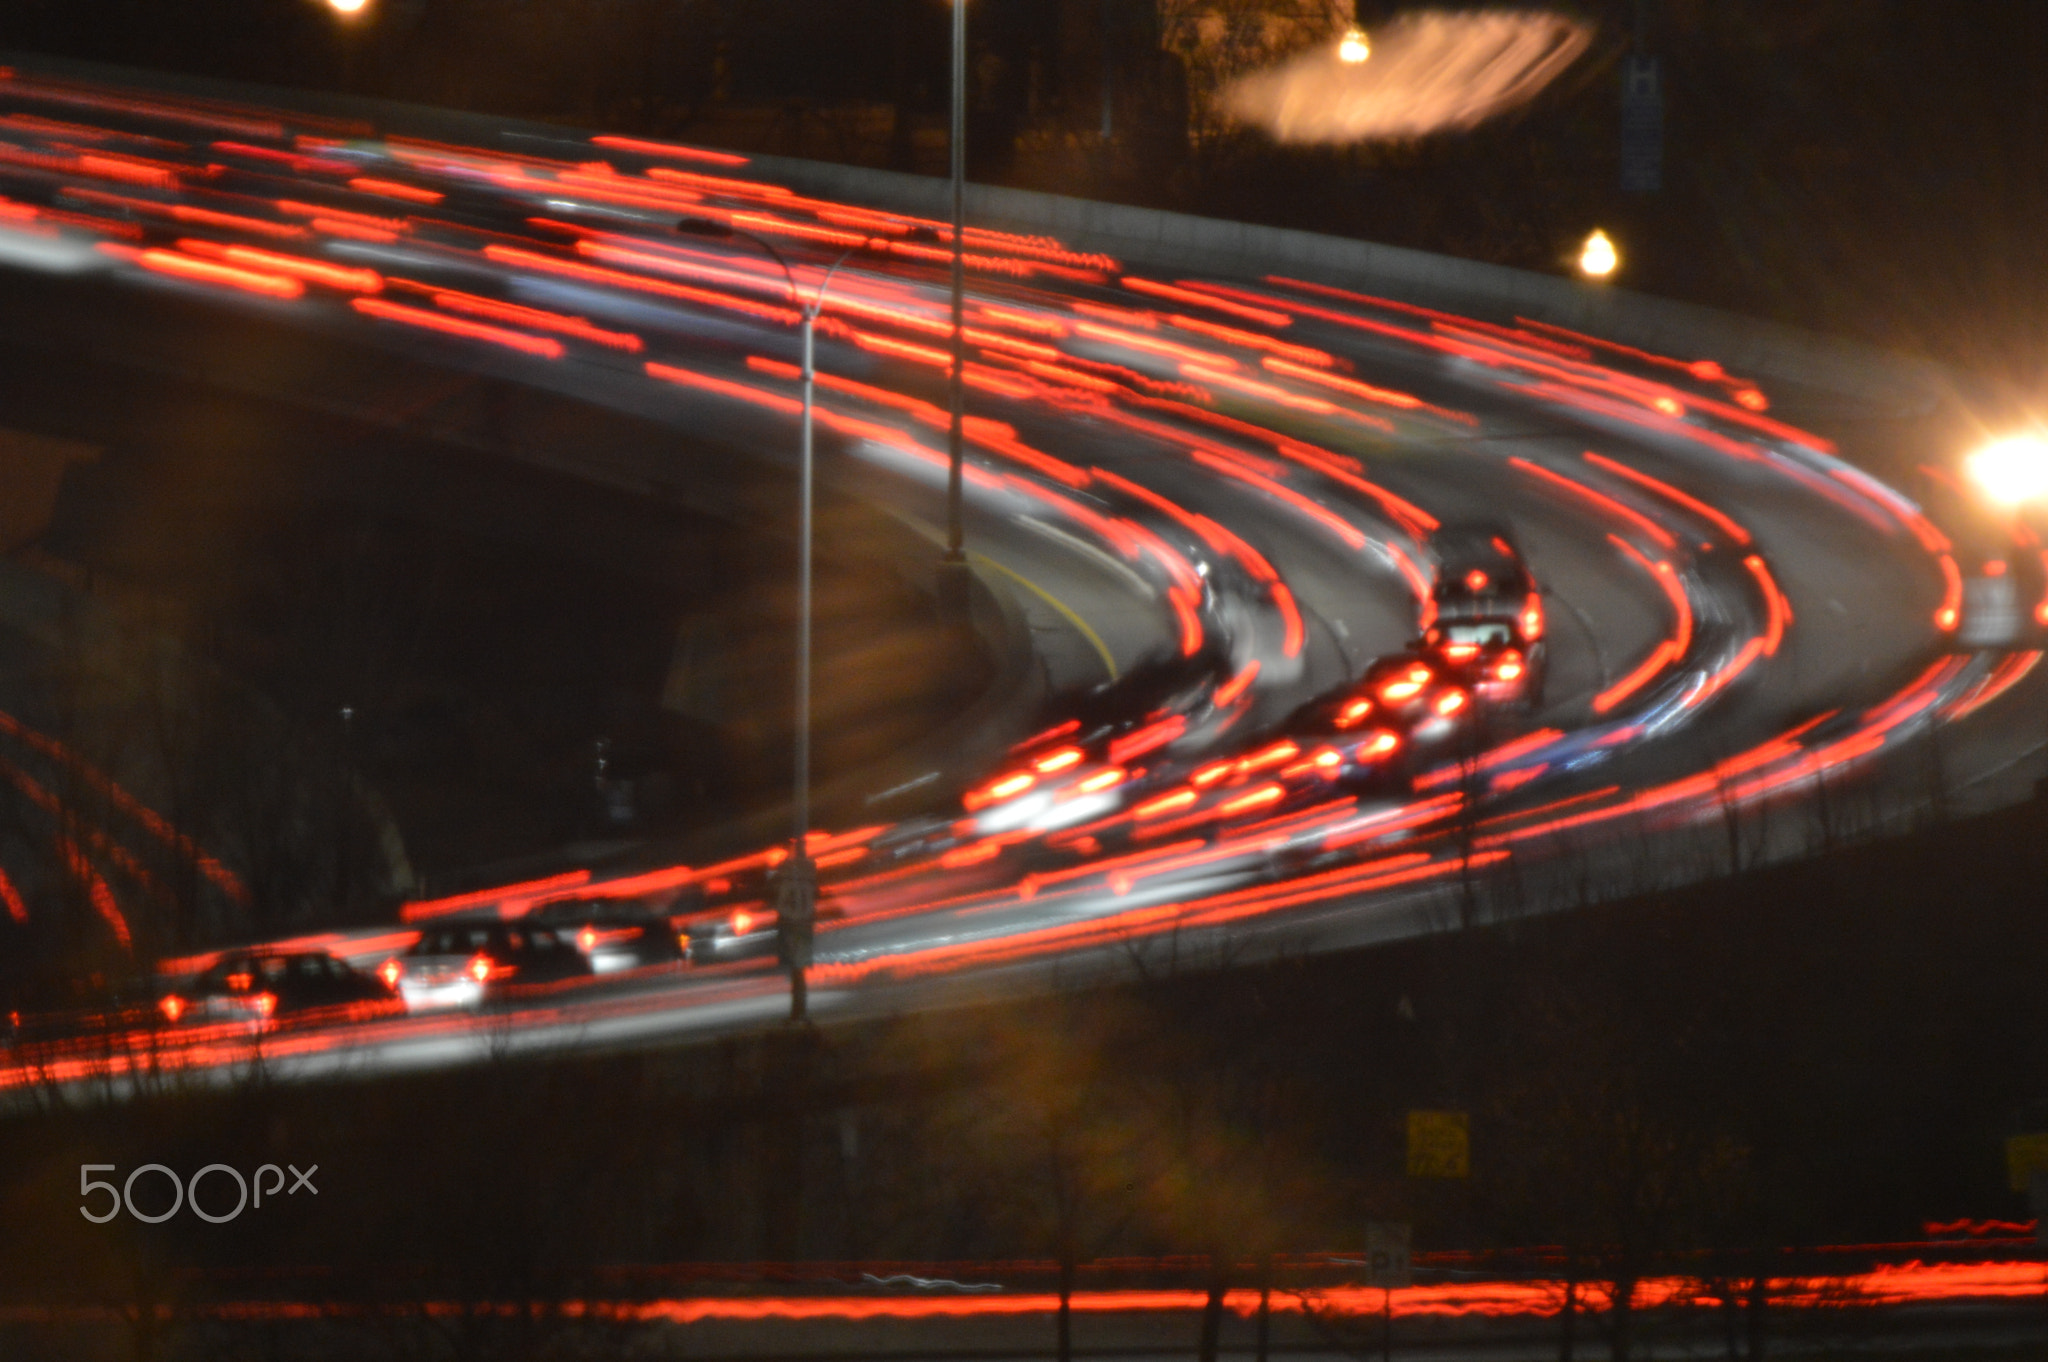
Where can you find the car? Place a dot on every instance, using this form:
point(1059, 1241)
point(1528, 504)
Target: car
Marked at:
point(1488, 659)
point(1486, 618)
point(470, 964)
point(1052, 785)
point(1372, 749)
point(1086, 764)
point(267, 988)
point(1416, 695)
point(613, 937)
point(1994, 568)
point(745, 933)
point(60, 1008)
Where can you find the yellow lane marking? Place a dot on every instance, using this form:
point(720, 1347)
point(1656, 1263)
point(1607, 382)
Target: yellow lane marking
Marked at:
point(1057, 604)
point(932, 532)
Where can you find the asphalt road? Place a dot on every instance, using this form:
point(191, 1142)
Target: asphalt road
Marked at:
point(1748, 646)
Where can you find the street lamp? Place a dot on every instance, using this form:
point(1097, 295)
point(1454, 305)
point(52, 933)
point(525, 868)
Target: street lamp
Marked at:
point(1352, 48)
point(348, 9)
point(952, 581)
point(796, 908)
point(2012, 471)
point(1597, 256)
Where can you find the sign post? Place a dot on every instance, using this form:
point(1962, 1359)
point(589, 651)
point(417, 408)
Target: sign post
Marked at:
point(1642, 124)
point(1388, 1267)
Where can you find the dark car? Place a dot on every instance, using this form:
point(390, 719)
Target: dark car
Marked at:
point(1371, 748)
point(38, 1009)
point(1415, 693)
point(1487, 630)
point(614, 937)
point(471, 963)
point(264, 988)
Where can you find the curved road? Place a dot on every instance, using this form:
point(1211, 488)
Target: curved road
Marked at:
point(1244, 472)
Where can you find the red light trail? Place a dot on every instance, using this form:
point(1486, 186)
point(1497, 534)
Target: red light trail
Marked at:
point(1265, 393)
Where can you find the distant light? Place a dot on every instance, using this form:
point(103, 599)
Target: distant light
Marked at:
point(2012, 471)
point(1598, 258)
point(348, 7)
point(1352, 48)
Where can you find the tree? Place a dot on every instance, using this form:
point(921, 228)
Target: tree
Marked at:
point(1220, 40)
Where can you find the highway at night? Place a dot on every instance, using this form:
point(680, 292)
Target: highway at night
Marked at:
point(1253, 511)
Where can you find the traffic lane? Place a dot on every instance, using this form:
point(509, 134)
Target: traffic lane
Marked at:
point(1603, 612)
point(1353, 604)
point(1367, 610)
point(1861, 588)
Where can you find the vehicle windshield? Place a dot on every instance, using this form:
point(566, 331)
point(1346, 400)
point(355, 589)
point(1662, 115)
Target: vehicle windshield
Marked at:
point(1485, 633)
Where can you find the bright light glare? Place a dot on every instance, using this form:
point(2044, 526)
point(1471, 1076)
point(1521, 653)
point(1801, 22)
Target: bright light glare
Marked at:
point(348, 6)
point(1431, 71)
point(2012, 471)
point(1597, 258)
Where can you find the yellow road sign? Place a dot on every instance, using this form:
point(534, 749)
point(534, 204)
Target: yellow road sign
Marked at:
point(2025, 1155)
point(1439, 1144)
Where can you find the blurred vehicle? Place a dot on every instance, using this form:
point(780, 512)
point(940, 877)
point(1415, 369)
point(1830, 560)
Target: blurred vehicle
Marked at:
point(266, 988)
point(470, 964)
point(1161, 684)
point(59, 1007)
point(1485, 657)
point(744, 934)
point(1488, 622)
point(1052, 784)
point(1086, 764)
point(612, 936)
point(1994, 565)
point(1416, 696)
point(1372, 750)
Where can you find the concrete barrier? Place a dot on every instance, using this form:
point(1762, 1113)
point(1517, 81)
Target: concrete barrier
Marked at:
point(1149, 237)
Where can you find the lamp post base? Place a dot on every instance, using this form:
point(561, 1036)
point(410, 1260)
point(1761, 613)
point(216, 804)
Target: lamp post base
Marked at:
point(955, 582)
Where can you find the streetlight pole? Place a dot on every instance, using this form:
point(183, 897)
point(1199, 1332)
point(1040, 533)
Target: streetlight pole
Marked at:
point(796, 908)
point(953, 567)
point(349, 15)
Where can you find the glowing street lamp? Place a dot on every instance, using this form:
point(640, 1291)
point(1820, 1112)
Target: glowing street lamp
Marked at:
point(2012, 471)
point(1598, 257)
point(348, 9)
point(1352, 48)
